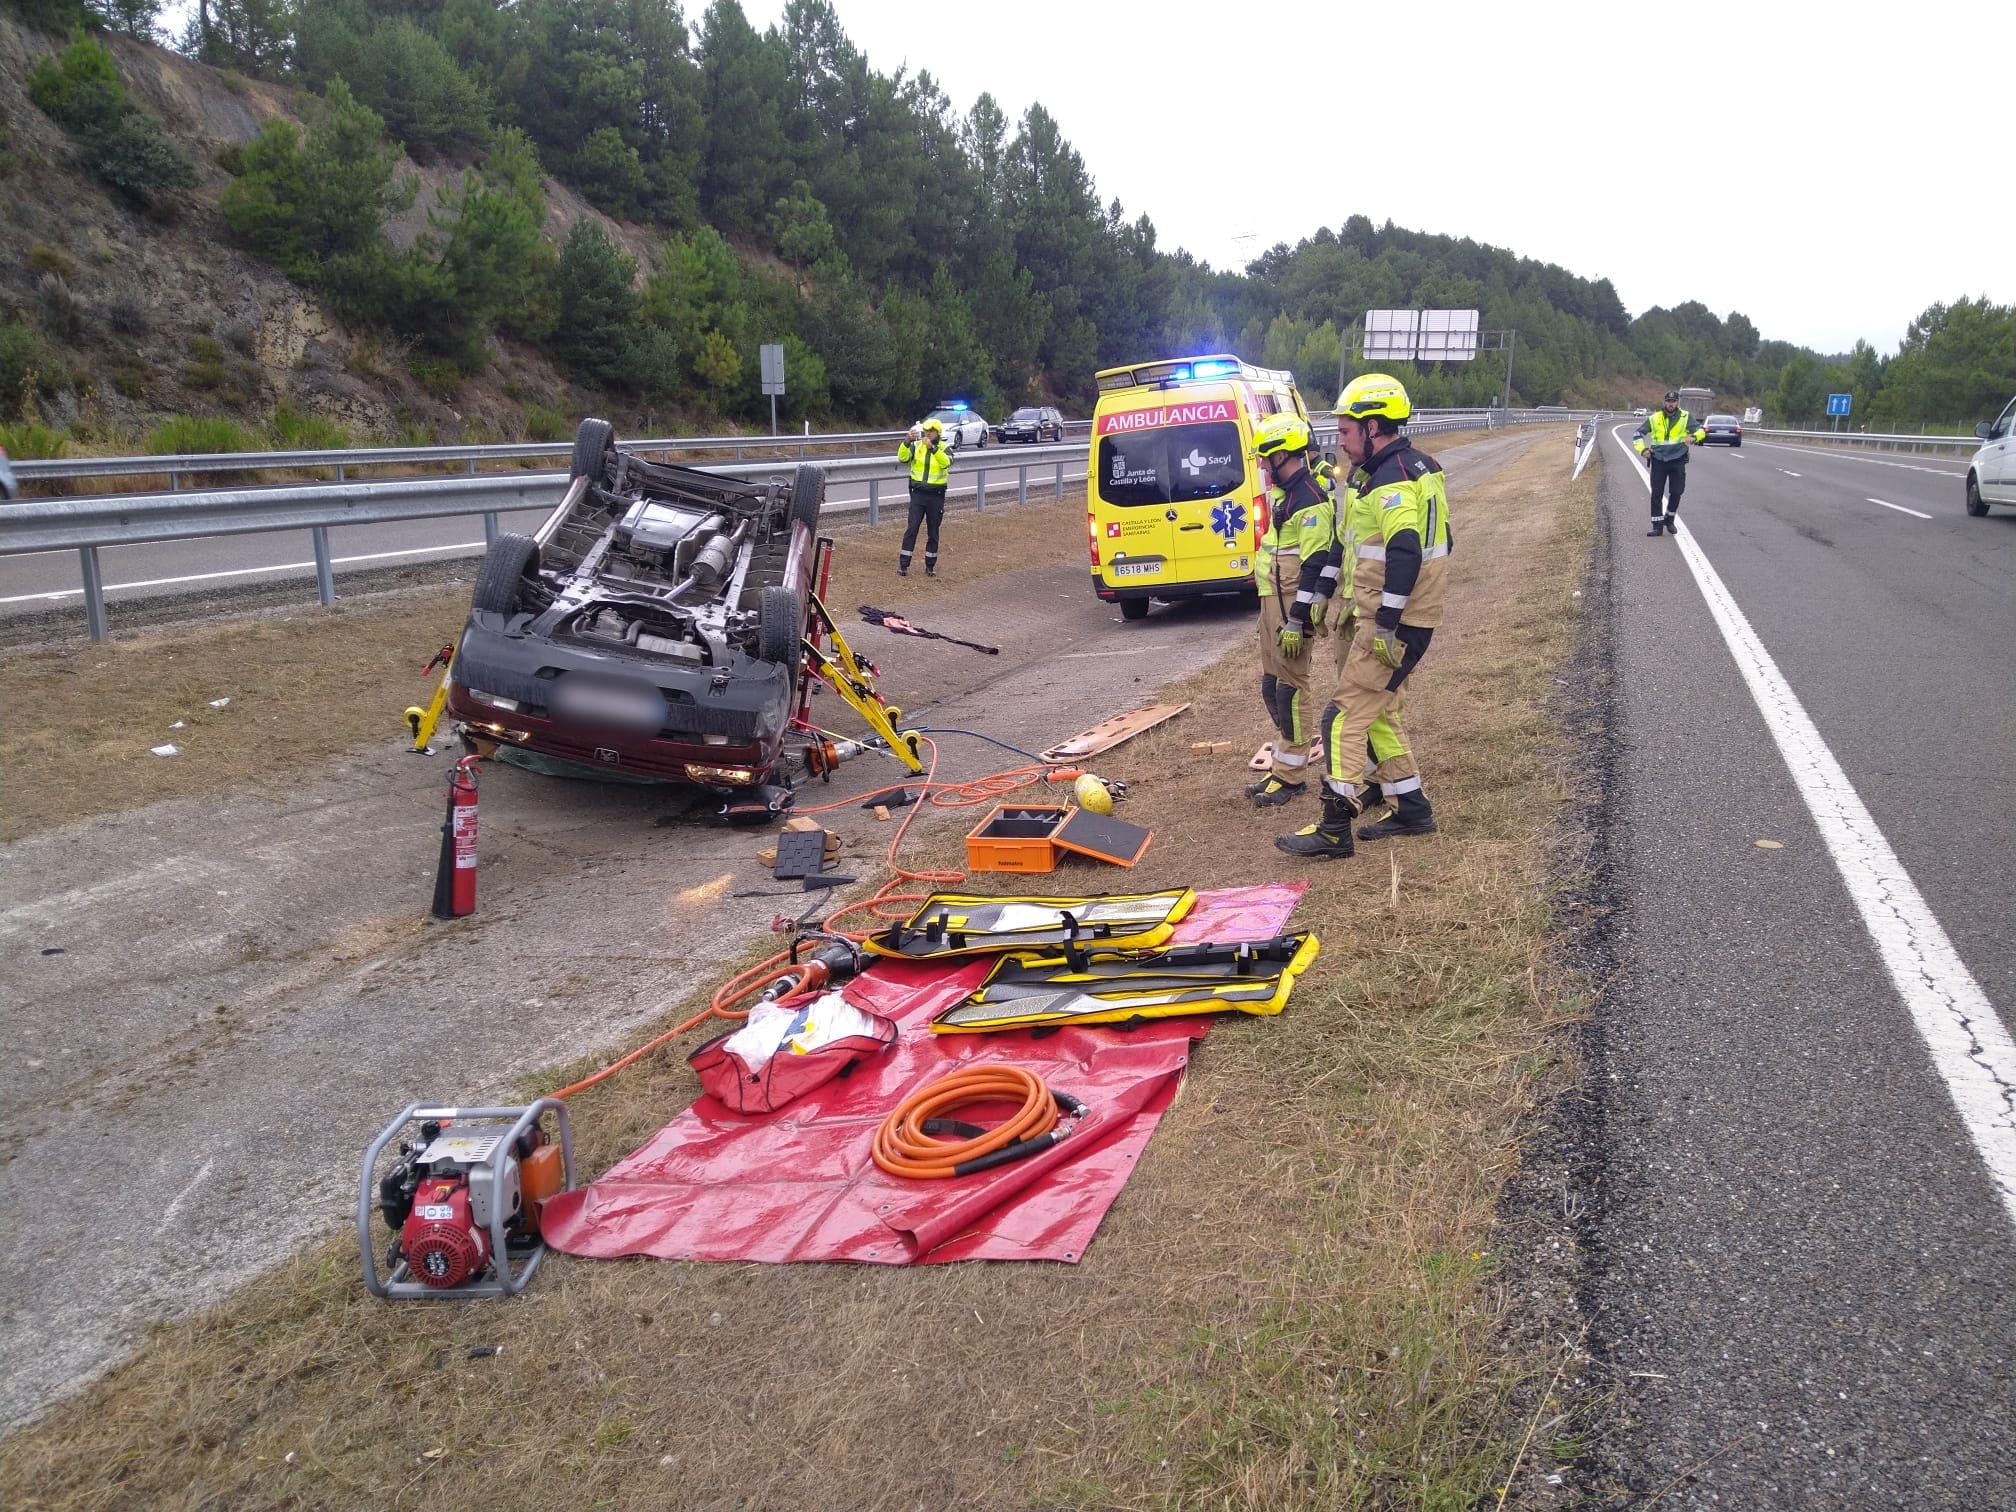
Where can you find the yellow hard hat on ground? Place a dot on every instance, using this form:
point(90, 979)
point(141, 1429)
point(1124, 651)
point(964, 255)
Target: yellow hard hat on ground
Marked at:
point(1092, 795)
point(1374, 396)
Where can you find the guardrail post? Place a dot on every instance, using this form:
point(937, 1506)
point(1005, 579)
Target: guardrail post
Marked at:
point(1022, 484)
point(874, 501)
point(94, 591)
point(980, 490)
point(490, 529)
point(325, 578)
point(472, 467)
point(1060, 480)
point(174, 482)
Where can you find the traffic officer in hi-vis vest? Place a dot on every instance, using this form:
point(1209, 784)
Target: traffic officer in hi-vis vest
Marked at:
point(1669, 428)
point(1295, 568)
point(930, 461)
point(1394, 523)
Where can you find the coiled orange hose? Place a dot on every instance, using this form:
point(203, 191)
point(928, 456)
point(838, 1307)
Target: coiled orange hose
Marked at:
point(902, 1148)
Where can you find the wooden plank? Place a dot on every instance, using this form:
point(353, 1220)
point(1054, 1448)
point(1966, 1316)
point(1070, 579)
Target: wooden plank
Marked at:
point(1109, 733)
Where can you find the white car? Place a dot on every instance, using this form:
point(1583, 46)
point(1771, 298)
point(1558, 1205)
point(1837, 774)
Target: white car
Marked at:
point(1991, 476)
point(963, 426)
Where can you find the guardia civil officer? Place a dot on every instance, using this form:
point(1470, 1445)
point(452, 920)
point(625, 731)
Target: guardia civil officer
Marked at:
point(1295, 568)
point(1668, 429)
point(930, 461)
point(1394, 532)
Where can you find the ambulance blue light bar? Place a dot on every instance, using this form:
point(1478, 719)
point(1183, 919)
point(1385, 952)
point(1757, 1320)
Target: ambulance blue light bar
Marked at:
point(1211, 369)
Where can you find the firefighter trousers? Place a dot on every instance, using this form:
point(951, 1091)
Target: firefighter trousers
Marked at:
point(1287, 684)
point(1364, 716)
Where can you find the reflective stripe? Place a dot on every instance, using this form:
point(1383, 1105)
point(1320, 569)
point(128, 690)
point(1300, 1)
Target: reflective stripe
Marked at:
point(1330, 572)
point(1405, 785)
point(1378, 553)
point(1290, 763)
point(1392, 601)
point(1305, 596)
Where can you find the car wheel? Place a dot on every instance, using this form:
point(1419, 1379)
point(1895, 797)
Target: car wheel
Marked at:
point(594, 449)
point(1133, 608)
point(780, 626)
point(808, 495)
point(1976, 505)
point(500, 581)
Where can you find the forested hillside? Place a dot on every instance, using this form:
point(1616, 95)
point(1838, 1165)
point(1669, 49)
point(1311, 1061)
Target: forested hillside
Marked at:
point(613, 203)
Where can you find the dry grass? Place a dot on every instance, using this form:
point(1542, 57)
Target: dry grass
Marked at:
point(1291, 1306)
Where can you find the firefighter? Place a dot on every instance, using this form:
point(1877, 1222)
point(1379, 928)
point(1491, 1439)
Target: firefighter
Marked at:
point(930, 462)
point(1395, 526)
point(1669, 430)
point(1295, 567)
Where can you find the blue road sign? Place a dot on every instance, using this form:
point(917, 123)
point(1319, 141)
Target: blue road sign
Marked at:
point(1837, 404)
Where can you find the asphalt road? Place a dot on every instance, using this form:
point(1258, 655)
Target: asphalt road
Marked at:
point(1807, 1252)
point(36, 581)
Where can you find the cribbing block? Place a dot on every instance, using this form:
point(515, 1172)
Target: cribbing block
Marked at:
point(800, 853)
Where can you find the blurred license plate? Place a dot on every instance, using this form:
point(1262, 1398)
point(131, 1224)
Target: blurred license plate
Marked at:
point(1136, 569)
point(623, 706)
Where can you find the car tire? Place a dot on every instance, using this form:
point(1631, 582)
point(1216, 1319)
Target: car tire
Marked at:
point(808, 495)
point(500, 581)
point(780, 626)
point(594, 450)
point(1133, 608)
point(1976, 505)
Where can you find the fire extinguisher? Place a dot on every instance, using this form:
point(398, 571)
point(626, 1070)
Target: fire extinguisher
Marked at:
point(455, 880)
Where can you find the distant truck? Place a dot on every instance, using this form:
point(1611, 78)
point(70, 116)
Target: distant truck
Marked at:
point(1697, 402)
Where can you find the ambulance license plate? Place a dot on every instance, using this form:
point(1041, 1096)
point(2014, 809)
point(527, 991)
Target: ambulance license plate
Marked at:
point(1136, 569)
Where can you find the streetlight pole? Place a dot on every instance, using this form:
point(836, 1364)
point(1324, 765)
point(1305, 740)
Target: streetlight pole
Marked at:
point(1511, 339)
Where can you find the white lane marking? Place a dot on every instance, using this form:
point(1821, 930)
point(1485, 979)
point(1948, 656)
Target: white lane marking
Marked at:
point(1785, 470)
point(1848, 456)
point(204, 577)
point(1970, 1047)
point(1899, 508)
point(1130, 651)
point(1736, 456)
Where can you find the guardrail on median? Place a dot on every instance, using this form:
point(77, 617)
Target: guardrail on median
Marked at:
point(1948, 445)
point(90, 522)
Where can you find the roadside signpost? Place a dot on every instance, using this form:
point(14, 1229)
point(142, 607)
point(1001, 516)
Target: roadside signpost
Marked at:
point(1838, 406)
point(771, 356)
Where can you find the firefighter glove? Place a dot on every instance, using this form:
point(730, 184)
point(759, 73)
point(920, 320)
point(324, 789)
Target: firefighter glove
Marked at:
point(1316, 612)
point(1386, 643)
point(1290, 641)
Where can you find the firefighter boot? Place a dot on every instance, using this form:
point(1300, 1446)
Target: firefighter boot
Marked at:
point(1328, 836)
point(1271, 792)
point(1411, 816)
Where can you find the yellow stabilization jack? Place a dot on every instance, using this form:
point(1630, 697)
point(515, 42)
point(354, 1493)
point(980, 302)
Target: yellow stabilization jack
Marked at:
point(422, 721)
point(853, 681)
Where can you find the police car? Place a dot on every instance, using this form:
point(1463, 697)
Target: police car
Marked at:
point(964, 425)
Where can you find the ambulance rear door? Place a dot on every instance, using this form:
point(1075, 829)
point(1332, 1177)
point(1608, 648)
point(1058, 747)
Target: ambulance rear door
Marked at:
point(1174, 477)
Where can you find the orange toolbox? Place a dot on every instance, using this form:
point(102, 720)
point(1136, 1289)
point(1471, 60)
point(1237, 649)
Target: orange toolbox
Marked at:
point(1016, 837)
point(1032, 837)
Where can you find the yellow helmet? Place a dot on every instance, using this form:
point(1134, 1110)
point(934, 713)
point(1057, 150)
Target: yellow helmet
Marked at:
point(935, 425)
point(1092, 795)
point(1279, 434)
point(1374, 396)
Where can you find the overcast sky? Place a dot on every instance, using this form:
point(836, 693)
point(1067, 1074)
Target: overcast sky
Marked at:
point(1827, 170)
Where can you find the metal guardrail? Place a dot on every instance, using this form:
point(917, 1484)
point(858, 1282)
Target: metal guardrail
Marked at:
point(174, 467)
point(1967, 445)
point(87, 523)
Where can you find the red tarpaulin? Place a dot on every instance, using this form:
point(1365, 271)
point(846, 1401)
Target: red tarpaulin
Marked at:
point(799, 1185)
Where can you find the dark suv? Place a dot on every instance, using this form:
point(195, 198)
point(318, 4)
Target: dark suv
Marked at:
point(1033, 422)
point(652, 625)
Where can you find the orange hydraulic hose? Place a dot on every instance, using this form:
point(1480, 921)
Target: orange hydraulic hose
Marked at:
point(902, 1148)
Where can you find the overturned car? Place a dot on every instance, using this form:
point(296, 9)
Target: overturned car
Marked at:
point(653, 625)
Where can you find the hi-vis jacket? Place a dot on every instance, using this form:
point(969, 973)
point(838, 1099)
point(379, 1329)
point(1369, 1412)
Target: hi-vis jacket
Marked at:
point(1669, 436)
point(1396, 527)
point(929, 466)
point(1302, 521)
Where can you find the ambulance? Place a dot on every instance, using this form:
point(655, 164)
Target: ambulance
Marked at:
point(1174, 499)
